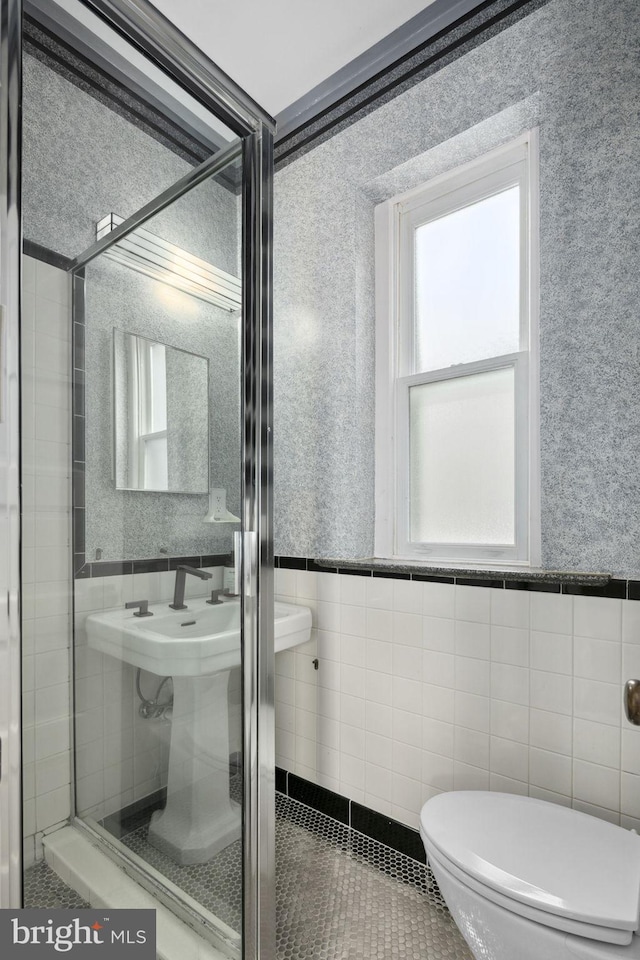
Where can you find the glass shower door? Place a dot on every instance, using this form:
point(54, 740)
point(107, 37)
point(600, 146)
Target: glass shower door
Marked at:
point(164, 587)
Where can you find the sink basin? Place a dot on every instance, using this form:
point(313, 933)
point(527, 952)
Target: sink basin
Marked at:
point(201, 640)
point(198, 647)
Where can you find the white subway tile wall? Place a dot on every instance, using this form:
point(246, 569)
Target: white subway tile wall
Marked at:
point(46, 551)
point(119, 757)
point(426, 687)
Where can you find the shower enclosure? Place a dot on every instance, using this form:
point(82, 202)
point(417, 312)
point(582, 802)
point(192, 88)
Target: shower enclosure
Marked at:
point(157, 381)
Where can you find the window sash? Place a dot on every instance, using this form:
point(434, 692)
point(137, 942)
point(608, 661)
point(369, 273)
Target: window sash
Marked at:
point(395, 286)
point(518, 551)
point(413, 214)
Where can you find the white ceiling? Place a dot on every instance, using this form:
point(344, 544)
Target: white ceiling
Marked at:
point(279, 50)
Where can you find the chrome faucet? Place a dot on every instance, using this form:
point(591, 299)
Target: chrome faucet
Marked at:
point(181, 575)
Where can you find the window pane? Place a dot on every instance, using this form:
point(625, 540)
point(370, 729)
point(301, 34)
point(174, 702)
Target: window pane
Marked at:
point(156, 470)
point(467, 276)
point(462, 460)
point(158, 387)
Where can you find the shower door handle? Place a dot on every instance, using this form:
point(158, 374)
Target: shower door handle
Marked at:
point(3, 359)
point(246, 547)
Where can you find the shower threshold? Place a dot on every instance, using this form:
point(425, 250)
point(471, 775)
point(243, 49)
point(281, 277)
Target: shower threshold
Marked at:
point(97, 881)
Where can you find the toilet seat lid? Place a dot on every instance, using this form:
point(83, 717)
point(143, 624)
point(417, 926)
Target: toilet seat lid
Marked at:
point(550, 857)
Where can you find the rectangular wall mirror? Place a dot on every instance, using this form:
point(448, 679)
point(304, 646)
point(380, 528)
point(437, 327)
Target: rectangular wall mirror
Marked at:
point(161, 415)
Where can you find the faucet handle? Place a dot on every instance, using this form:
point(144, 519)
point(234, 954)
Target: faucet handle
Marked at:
point(195, 571)
point(215, 597)
point(143, 608)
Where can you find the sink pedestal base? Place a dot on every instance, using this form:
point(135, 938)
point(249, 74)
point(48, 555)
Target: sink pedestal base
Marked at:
point(200, 818)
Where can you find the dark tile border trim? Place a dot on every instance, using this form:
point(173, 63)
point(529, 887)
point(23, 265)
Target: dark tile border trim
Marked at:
point(569, 583)
point(124, 821)
point(120, 568)
point(281, 780)
point(539, 586)
point(81, 569)
point(633, 589)
point(319, 798)
point(573, 583)
point(38, 252)
point(616, 589)
point(477, 582)
point(372, 824)
point(393, 834)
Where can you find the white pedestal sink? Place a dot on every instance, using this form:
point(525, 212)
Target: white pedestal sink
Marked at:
point(197, 647)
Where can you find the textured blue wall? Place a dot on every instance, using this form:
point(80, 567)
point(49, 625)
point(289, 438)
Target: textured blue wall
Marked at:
point(570, 68)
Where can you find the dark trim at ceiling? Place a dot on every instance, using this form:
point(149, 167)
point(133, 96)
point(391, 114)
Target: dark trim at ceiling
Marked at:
point(98, 82)
point(346, 97)
point(68, 63)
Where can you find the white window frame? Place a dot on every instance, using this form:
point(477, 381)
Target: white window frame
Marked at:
point(395, 223)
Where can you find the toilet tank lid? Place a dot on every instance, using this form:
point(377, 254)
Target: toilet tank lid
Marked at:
point(553, 858)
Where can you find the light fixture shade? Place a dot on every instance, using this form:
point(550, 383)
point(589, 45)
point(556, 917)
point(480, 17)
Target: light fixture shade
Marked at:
point(161, 260)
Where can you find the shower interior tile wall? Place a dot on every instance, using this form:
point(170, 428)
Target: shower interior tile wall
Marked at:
point(426, 687)
point(120, 757)
point(46, 551)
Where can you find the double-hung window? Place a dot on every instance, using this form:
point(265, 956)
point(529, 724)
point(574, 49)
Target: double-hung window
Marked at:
point(455, 424)
point(149, 454)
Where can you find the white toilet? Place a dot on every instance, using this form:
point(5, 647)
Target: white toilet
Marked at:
point(528, 880)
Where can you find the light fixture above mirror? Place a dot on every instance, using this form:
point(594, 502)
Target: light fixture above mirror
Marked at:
point(157, 258)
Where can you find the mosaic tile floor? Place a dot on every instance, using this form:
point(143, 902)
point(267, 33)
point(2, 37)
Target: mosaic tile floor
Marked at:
point(342, 896)
point(44, 888)
point(339, 895)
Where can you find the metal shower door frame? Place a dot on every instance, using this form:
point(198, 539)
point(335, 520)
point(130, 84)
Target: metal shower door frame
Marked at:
point(151, 33)
point(10, 500)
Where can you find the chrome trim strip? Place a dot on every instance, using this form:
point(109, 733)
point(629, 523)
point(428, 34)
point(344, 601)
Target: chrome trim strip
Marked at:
point(147, 29)
point(206, 169)
point(160, 40)
point(258, 650)
point(266, 650)
point(10, 505)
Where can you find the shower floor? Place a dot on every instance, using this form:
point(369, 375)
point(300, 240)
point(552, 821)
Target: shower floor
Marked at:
point(339, 894)
point(43, 888)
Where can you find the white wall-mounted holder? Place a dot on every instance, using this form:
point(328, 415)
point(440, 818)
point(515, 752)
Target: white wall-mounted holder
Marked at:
point(218, 512)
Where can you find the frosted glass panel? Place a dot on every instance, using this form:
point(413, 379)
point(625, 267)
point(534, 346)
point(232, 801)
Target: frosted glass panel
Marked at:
point(462, 460)
point(467, 275)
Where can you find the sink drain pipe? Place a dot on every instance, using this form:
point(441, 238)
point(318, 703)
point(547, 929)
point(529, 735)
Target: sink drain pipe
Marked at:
point(152, 709)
